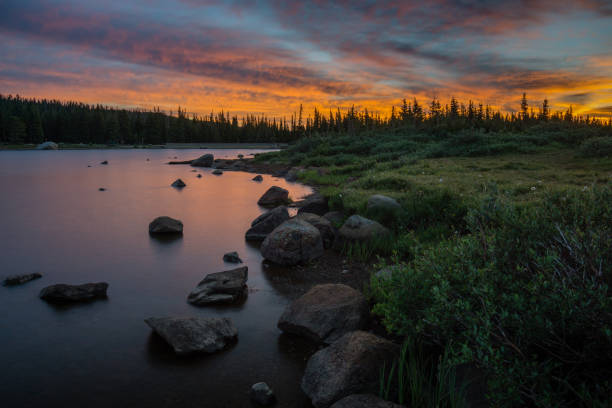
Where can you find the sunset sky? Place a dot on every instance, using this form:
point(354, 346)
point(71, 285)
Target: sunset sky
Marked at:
point(270, 56)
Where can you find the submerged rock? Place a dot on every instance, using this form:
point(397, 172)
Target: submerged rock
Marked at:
point(47, 146)
point(350, 365)
point(20, 279)
point(62, 293)
point(293, 242)
point(221, 288)
point(178, 183)
point(265, 223)
point(314, 204)
point(205, 160)
point(194, 334)
point(232, 257)
point(273, 197)
point(364, 401)
point(325, 313)
point(358, 228)
point(328, 232)
point(262, 394)
point(165, 225)
point(258, 177)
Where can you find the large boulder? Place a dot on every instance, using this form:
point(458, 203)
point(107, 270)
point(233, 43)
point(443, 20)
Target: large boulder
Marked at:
point(194, 334)
point(47, 146)
point(265, 223)
point(293, 242)
point(165, 225)
point(273, 197)
point(20, 279)
point(349, 366)
point(62, 293)
point(314, 204)
point(325, 313)
point(335, 217)
point(205, 160)
point(327, 230)
point(221, 287)
point(381, 203)
point(358, 228)
point(364, 401)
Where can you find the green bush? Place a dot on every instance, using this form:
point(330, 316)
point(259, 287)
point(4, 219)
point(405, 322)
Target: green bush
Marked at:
point(597, 147)
point(525, 295)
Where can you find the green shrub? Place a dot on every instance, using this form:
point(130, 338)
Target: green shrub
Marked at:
point(597, 147)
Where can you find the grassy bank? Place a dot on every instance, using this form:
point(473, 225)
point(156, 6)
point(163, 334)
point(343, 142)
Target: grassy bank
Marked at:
point(501, 252)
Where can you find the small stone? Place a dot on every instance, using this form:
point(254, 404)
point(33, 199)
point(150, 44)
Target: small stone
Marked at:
point(262, 394)
point(165, 225)
point(179, 183)
point(199, 176)
point(217, 172)
point(20, 279)
point(232, 257)
point(258, 178)
point(101, 189)
point(62, 293)
point(104, 162)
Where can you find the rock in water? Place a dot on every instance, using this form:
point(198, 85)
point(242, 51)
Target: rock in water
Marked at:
point(314, 204)
point(265, 223)
point(20, 279)
point(199, 176)
point(104, 162)
point(179, 183)
point(350, 365)
point(205, 160)
point(364, 401)
point(101, 189)
point(273, 197)
point(74, 293)
point(232, 257)
point(328, 232)
point(47, 146)
point(325, 313)
point(358, 228)
point(293, 242)
point(382, 203)
point(165, 225)
point(258, 178)
point(262, 394)
point(221, 287)
point(217, 172)
point(194, 334)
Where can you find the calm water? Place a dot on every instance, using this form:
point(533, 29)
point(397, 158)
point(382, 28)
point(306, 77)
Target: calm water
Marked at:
point(55, 221)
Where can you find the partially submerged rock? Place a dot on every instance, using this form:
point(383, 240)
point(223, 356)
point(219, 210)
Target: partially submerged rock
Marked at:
point(205, 160)
point(221, 288)
point(101, 189)
point(258, 177)
point(232, 257)
point(273, 197)
point(20, 279)
point(217, 172)
point(47, 146)
point(265, 223)
point(327, 230)
point(62, 293)
point(314, 204)
point(104, 162)
point(165, 225)
point(293, 242)
point(178, 183)
point(194, 334)
point(199, 176)
point(364, 401)
point(325, 313)
point(358, 228)
point(262, 394)
point(350, 365)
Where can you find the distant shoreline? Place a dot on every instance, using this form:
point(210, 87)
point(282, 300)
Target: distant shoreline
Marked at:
point(80, 146)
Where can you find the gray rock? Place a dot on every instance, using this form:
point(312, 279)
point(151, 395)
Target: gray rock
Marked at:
point(335, 217)
point(217, 172)
point(104, 162)
point(232, 257)
point(265, 223)
point(382, 203)
point(314, 204)
point(327, 230)
point(62, 293)
point(20, 279)
point(350, 365)
point(179, 183)
point(258, 178)
point(325, 313)
point(165, 225)
point(364, 401)
point(262, 394)
point(194, 334)
point(221, 288)
point(358, 228)
point(293, 242)
point(47, 146)
point(205, 160)
point(273, 197)
point(101, 189)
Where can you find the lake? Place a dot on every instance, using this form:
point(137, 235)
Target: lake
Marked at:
point(102, 354)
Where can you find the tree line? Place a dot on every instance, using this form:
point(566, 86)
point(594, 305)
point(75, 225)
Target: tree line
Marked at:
point(32, 121)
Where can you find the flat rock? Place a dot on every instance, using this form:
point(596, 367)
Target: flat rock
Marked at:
point(20, 279)
point(349, 366)
point(221, 288)
point(178, 183)
point(194, 334)
point(314, 204)
point(358, 228)
point(62, 293)
point(206, 160)
point(165, 225)
point(325, 313)
point(47, 146)
point(265, 223)
point(364, 401)
point(325, 227)
point(293, 242)
point(232, 257)
point(262, 394)
point(273, 197)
